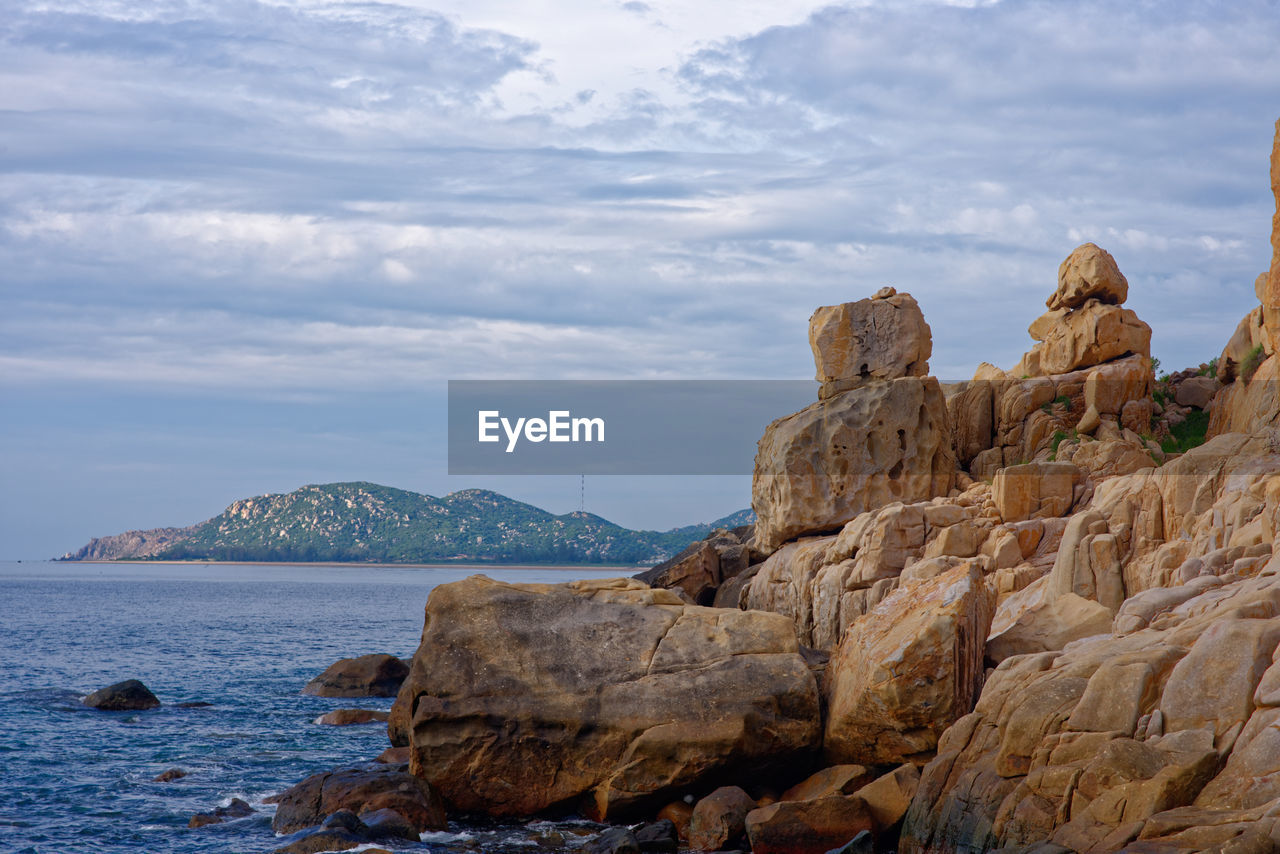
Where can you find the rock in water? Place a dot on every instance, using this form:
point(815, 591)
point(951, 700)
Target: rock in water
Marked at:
point(908, 669)
point(817, 469)
point(129, 695)
point(605, 694)
point(1089, 272)
point(360, 790)
point(376, 675)
point(352, 717)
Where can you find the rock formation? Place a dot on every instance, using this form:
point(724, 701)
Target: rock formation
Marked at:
point(879, 432)
point(611, 695)
point(1009, 618)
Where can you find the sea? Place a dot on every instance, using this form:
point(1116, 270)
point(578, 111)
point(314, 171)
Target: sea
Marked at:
point(244, 638)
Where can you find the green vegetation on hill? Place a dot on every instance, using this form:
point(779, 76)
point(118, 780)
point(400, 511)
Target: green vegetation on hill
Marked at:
point(343, 522)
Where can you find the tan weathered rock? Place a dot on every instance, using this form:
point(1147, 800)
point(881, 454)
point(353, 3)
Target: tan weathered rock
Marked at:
point(1102, 460)
point(819, 468)
point(718, 820)
point(1271, 296)
point(1089, 272)
point(888, 797)
point(1091, 335)
point(1109, 738)
point(1244, 407)
point(1034, 490)
point(808, 827)
point(1036, 619)
point(907, 670)
point(1088, 562)
point(601, 688)
point(1251, 777)
point(1212, 687)
point(881, 338)
point(1250, 336)
point(833, 780)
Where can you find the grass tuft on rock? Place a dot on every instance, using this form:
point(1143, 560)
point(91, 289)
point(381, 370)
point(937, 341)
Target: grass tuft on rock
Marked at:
point(1187, 435)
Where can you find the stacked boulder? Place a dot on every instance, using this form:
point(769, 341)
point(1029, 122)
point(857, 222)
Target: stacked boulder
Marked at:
point(879, 432)
point(1088, 374)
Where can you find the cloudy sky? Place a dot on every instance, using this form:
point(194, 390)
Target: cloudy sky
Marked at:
point(244, 244)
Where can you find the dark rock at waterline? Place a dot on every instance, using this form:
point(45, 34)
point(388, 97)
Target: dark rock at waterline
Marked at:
point(129, 695)
point(359, 789)
point(863, 843)
point(345, 820)
point(352, 717)
point(613, 840)
point(376, 675)
point(169, 776)
point(195, 704)
point(659, 837)
point(388, 824)
point(236, 809)
point(394, 756)
point(319, 839)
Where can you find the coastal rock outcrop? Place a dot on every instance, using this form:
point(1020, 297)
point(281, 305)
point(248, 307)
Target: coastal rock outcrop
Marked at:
point(375, 675)
point(611, 696)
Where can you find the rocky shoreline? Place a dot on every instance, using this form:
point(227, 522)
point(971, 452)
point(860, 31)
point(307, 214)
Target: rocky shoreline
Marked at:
point(1033, 612)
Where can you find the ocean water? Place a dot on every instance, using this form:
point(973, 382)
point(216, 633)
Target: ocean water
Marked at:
point(242, 637)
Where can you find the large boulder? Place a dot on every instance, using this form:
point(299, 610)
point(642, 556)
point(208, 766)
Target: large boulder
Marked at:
point(360, 789)
point(607, 695)
point(1095, 333)
point(808, 827)
point(820, 467)
point(376, 675)
point(910, 668)
point(881, 338)
point(1089, 272)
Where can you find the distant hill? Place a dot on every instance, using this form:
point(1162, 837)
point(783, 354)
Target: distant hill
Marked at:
point(365, 522)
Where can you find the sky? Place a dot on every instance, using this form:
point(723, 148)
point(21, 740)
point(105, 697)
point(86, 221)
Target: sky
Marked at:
point(244, 245)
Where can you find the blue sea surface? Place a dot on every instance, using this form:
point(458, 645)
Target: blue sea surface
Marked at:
point(243, 637)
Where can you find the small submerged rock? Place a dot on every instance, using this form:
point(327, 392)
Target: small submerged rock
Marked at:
point(377, 675)
point(344, 829)
point(352, 717)
point(129, 695)
point(361, 790)
point(169, 776)
point(236, 809)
